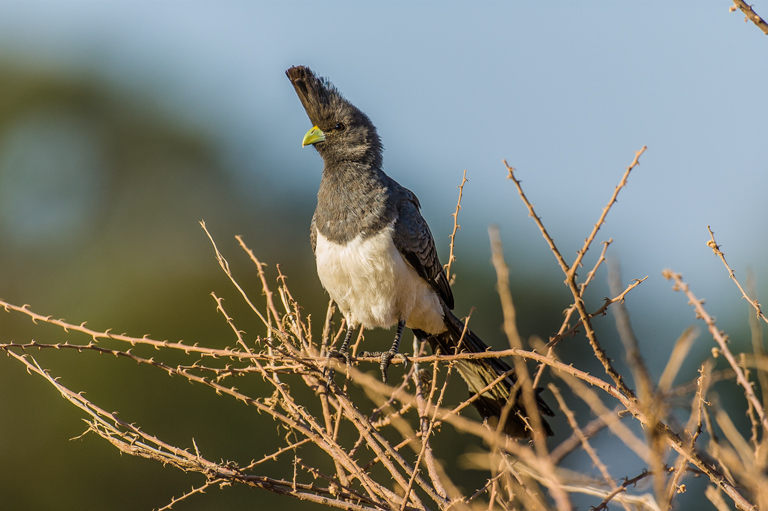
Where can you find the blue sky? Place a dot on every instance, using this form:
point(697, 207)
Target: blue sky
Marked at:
point(565, 92)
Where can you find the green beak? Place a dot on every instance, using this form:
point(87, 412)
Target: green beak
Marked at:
point(313, 136)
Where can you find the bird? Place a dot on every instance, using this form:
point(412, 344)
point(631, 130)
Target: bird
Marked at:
point(376, 256)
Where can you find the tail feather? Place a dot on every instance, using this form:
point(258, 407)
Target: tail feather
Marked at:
point(478, 374)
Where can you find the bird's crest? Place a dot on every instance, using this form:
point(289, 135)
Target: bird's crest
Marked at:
point(317, 94)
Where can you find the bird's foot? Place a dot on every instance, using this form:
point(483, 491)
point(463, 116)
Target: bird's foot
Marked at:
point(387, 356)
point(338, 355)
point(386, 359)
point(342, 354)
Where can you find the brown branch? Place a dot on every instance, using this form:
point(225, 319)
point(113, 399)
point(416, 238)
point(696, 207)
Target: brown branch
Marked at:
point(264, 286)
point(570, 444)
point(588, 242)
point(681, 349)
point(456, 227)
point(569, 312)
point(703, 383)
point(651, 403)
point(570, 271)
point(721, 340)
point(602, 310)
point(460, 423)
point(750, 14)
point(513, 336)
point(225, 266)
point(427, 425)
point(319, 434)
point(524, 378)
point(561, 261)
point(732, 275)
point(129, 439)
point(627, 482)
point(322, 419)
point(584, 440)
point(756, 329)
point(96, 336)
point(193, 491)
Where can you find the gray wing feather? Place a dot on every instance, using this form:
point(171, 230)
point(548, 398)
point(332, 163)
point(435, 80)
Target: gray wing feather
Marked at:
point(313, 233)
point(414, 241)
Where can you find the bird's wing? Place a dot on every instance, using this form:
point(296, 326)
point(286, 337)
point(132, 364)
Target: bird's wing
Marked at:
point(414, 241)
point(313, 233)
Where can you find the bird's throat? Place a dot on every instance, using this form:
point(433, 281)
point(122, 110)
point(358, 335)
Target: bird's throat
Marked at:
point(353, 200)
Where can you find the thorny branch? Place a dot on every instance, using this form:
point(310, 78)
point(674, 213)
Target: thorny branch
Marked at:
point(722, 342)
point(732, 275)
point(570, 270)
point(750, 14)
point(456, 227)
point(410, 416)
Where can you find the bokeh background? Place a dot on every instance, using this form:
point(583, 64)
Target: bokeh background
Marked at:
point(122, 124)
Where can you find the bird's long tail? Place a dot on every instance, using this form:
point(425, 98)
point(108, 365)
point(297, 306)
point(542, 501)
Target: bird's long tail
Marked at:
point(478, 374)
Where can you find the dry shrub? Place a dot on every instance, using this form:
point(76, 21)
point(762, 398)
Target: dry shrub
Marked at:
point(387, 462)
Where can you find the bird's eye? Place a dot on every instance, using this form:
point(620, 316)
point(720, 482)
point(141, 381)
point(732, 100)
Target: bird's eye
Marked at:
point(339, 127)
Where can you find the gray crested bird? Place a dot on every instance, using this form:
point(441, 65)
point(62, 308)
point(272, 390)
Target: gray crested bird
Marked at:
point(376, 256)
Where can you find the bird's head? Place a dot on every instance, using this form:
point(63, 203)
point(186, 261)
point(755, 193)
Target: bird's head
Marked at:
point(340, 132)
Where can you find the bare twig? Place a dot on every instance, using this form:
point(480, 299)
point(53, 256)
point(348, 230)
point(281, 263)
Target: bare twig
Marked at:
point(682, 347)
point(602, 310)
point(369, 450)
point(584, 440)
point(732, 274)
point(627, 482)
point(622, 183)
point(570, 271)
point(721, 340)
point(750, 14)
point(456, 227)
point(561, 334)
point(649, 399)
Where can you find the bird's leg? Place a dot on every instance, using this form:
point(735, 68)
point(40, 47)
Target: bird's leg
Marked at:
point(387, 356)
point(343, 351)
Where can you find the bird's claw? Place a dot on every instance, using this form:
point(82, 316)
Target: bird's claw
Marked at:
point(340, 355)
point(386, 360)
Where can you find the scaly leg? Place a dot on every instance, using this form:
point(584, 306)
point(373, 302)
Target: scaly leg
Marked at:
point(387, 356)
point(343, 351)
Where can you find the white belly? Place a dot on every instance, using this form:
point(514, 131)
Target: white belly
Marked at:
point(374, 286)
